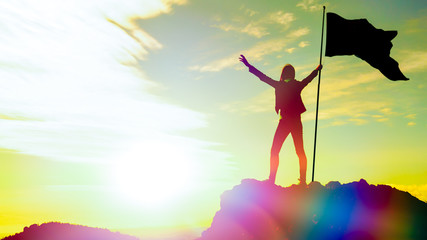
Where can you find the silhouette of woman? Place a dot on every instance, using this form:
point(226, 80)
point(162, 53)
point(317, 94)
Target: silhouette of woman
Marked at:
point(289, 103)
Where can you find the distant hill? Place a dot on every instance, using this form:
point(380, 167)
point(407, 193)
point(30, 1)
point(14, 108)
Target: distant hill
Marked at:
point(353, 211)
point(65, 231)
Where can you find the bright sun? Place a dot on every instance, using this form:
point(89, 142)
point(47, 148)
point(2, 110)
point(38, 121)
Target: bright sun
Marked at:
point(153, 174)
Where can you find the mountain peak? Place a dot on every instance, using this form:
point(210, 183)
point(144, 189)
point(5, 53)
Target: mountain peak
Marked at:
point(66, 231)
point(261, 210)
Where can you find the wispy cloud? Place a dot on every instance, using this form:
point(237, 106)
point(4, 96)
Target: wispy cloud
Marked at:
point(251, 28)
point(411, 116)
point(303, 44)
point(411, 61)
point(262, 102)
point(411, 123)
point(70, 87)
point(339, 97)
point(290, 50)
point(282, 18)
point(340, 113)
point(255, 30)
point(250, 12)
point(299, 33)
point(415, 25)
point(256, 25)
point(310, 5)
point(255, 53)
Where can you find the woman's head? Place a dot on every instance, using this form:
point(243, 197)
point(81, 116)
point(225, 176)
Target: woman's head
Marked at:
point(288, 73)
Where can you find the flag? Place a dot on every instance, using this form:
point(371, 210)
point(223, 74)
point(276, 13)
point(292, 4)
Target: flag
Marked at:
point(358, 37)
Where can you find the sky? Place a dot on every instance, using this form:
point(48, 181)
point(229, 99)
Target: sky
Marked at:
point(137, 116)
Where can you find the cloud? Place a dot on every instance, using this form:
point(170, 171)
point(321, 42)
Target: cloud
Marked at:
point(263, 102)
point(299, 33)
point(380, 118)
point(71, 89)
point(415, 25)
point(257, 27)
point(290, 50)
point(216, 66)
point(410, 61)
point(250, 12)
point(310, 5)
point(411, 116)
point(340, 113)
point(303, 44)
point(254, 29)
point(340, 99)
point(282, 18)
point(225, 27)
point(255, 53)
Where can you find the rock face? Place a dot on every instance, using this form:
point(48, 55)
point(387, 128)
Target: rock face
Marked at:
point(65, 231)
point(259, 210)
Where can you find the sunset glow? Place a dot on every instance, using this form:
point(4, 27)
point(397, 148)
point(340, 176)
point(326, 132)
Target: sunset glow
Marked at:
point(153, 174)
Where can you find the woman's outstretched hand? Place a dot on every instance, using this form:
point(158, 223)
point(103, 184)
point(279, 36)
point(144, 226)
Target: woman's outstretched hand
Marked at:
point(319, 67)
point(244, 61)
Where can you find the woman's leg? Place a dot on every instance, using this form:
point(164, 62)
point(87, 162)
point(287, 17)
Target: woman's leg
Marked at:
point(296, 132)
point(282, 132)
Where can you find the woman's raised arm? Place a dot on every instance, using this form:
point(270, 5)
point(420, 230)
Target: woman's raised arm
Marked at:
point(258, 73)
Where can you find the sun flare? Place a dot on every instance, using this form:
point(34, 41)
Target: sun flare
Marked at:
point(153, 173)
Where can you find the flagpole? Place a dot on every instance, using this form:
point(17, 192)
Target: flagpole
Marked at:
point(318, 92)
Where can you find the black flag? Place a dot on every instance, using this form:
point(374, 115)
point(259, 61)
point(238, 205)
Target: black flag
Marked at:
point(359, 37)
